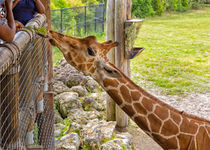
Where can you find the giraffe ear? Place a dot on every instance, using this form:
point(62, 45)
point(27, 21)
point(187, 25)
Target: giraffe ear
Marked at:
point(111, 71)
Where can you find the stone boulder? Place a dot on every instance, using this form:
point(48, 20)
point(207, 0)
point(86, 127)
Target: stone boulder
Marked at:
point(78, 115)
point(90, 103)
point(68, 142)
point(92, 86)
point(58, 117)
point(60, 87)
point(58, 129)
point(66, 102)
point(80, 90)
point(120, 142)
point(73, 127)
point(97, 131)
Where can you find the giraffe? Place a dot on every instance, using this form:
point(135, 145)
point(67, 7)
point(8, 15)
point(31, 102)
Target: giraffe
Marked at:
point(169, 127)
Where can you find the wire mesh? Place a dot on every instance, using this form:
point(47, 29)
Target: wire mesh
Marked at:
point(25, 116)
point(79, 21)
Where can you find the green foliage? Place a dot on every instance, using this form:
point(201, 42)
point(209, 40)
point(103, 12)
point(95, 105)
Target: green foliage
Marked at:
point(176, 58)
point(144, 8)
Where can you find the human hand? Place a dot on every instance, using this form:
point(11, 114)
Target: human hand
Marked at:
point(18, 25)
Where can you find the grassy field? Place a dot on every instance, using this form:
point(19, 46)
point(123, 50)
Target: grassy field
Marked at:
point(177, 54)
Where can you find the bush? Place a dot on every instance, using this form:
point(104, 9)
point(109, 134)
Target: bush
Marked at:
point(144, 8)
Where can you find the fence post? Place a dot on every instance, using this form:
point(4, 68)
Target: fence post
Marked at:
point(110, 35)
point(61, 26)
point(120, 61)
point(10, 105)
point(85, 19)
point(103, 17)
point(95, 18)
point(47, 137)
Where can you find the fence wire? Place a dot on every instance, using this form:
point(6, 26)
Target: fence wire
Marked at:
point(26, 119)
point(79, 21)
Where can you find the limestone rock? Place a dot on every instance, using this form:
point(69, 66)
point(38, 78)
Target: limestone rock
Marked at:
point(60, 87)
point(78, 115)
point(74, 127)
point(90, 102)
point(80, 90)
point(69, 142)
point(58, 117)
point(92, 85)
point(67, 101)
point(75, 79)
point(110, 145)
point(96, 131)
point(58, 129)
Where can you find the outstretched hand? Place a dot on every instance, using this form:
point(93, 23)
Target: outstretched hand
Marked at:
point(18, 25)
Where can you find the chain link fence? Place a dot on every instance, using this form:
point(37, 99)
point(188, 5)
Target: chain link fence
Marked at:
point(79, 21)
point(27, 116)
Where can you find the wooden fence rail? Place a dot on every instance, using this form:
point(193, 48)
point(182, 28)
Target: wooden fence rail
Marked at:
point(24, 99)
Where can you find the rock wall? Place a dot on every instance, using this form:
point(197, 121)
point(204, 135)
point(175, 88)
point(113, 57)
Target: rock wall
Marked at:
point(80, 114)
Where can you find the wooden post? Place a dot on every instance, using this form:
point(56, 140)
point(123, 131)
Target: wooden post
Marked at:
point(120, 61)
point(110, 35)
point(9, 107)
point(46, 137)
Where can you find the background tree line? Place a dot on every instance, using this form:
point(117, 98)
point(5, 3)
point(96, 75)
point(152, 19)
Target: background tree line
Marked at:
point(144, 8)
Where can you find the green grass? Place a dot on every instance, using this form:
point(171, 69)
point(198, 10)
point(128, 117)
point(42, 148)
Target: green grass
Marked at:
point(177, 54)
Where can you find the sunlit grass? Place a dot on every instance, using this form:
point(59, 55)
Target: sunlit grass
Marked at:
point(177, 54)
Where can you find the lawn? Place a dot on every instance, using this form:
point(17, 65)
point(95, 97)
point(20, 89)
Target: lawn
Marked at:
point(177, 54)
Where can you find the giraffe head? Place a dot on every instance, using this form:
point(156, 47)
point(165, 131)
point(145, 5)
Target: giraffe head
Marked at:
point(86, 54)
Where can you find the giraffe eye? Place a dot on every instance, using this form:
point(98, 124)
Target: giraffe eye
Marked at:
point(91, 52)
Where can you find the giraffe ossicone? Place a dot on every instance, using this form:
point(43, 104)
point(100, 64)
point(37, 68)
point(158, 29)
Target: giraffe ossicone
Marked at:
point(170, 128)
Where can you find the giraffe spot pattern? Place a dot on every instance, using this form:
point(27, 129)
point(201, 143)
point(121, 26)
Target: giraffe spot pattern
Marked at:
point(126, 94)
point(148, 104)
point(176, 117)
point(186, 142)
point(170, 143)
point(142, 123)
point(139, 108)
point(115, 96)
point(201, 139)
point(129, 110)
point(155, 123)
point(169, 128)
point(188, 126)
point(109, 82)
point(135, 95)
point(92, 70)
point(161, 112)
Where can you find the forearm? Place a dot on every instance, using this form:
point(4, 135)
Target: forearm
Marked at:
point(14, 4)
point(39, 6)
point(10, 19)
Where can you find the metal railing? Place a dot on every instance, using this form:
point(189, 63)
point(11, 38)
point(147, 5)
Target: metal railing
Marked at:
point(79, 21)
point(26, 118)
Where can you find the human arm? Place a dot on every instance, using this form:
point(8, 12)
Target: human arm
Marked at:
point(39, 6)
point(7, 31)
point(15, 3)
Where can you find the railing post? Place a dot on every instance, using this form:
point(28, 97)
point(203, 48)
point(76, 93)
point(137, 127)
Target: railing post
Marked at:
point(61, 26)
point(110, 35)
point(95, 18)
point(9, 107)
point(120, 61)
point(85, 20)
point(103, 17)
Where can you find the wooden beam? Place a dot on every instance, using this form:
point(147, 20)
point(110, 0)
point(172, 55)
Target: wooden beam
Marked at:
point(110, 35)
point(120, 61)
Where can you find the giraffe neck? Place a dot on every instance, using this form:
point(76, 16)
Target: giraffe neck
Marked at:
point(170, 128)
